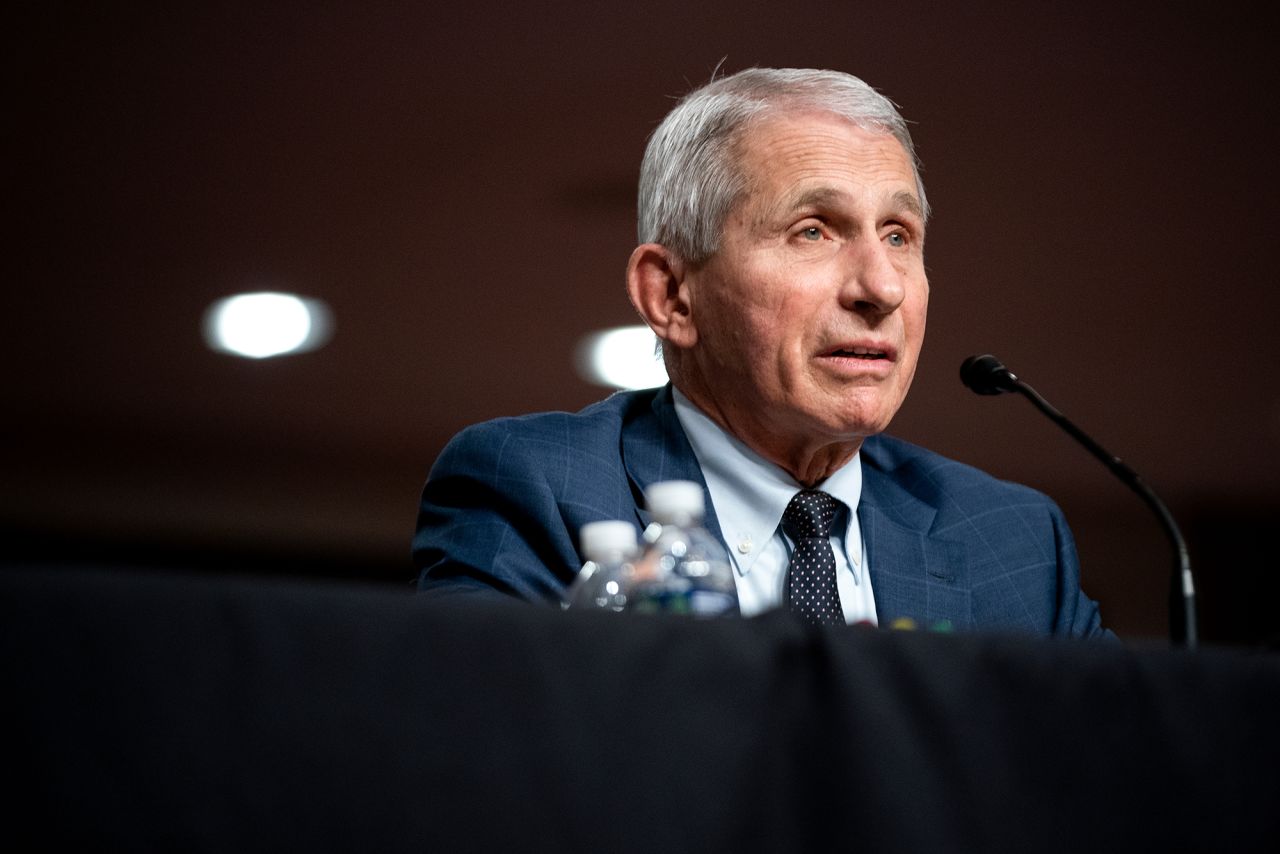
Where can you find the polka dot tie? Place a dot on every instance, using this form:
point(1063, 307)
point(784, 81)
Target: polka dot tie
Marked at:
point(811, 578)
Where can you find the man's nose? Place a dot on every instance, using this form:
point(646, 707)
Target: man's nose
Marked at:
point(872, 283)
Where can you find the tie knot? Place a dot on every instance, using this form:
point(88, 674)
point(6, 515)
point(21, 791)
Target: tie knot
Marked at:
point(809, 514)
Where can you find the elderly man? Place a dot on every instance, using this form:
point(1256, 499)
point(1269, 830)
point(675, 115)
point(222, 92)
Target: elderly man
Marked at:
point(782, 226)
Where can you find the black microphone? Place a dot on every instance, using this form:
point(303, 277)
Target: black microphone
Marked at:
point(987, 375)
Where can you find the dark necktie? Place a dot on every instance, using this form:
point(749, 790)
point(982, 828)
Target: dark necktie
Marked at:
point(811, 577)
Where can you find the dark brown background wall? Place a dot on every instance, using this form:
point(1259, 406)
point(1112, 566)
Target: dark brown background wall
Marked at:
point(458, 185)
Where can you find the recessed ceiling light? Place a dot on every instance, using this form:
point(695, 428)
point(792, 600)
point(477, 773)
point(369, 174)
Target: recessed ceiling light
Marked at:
point(267, 323)
point(623, 357)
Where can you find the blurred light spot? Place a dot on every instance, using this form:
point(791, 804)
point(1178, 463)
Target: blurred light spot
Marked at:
point(624, 357)
point(267, 323)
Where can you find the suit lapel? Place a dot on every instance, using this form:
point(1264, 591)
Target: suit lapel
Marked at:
point(913, 574)
point(655, 448)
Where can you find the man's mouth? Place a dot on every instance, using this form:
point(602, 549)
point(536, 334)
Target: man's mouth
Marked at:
point(858, 353)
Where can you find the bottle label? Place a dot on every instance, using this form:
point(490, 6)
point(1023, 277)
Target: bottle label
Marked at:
point(682, 599)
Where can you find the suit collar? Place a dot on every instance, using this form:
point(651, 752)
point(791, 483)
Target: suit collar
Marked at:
point(655, 448)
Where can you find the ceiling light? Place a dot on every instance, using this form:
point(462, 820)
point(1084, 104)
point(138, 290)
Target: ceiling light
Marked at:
point(624, 357)
point(267, 323)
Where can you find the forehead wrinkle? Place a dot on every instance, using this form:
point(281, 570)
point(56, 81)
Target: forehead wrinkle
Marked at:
point(811, 152)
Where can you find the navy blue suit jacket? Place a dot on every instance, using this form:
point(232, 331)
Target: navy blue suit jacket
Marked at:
point(504, 502)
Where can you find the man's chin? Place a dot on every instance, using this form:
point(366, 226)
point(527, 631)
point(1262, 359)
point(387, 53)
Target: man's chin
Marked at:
point(859, 420)
point(851, 430)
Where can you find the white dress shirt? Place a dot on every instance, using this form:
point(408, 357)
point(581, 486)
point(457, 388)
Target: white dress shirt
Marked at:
point(749, 495)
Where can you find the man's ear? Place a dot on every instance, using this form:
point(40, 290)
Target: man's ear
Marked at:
point(657, 287)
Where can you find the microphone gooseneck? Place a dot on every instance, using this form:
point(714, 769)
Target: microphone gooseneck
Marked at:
point(987, 375)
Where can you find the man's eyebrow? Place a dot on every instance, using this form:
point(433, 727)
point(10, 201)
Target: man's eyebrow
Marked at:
point(818, 197)
point(904, 200)
point(815, 197)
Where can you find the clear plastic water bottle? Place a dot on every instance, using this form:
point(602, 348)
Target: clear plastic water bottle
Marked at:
point(605, 580)
point(684, 569)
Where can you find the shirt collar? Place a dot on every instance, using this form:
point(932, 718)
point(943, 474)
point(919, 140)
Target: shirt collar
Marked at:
point(748, 492)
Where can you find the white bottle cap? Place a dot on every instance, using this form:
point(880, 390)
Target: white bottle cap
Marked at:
point(599, 540)
point(677, 502)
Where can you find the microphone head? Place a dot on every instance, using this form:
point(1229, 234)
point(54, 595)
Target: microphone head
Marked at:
point(987, 375)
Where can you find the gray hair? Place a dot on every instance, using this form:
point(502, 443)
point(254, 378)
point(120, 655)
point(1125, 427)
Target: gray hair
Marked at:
point(690, 179)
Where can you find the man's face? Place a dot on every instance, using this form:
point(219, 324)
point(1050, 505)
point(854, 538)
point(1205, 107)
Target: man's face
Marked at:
point(811, 316)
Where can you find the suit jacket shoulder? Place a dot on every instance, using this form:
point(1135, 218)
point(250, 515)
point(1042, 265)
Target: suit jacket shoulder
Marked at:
point(950, 542)
point(939, 481)
point(504, 502)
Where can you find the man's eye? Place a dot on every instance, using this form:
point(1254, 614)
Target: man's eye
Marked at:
point(897, 239)
point(812, 233)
